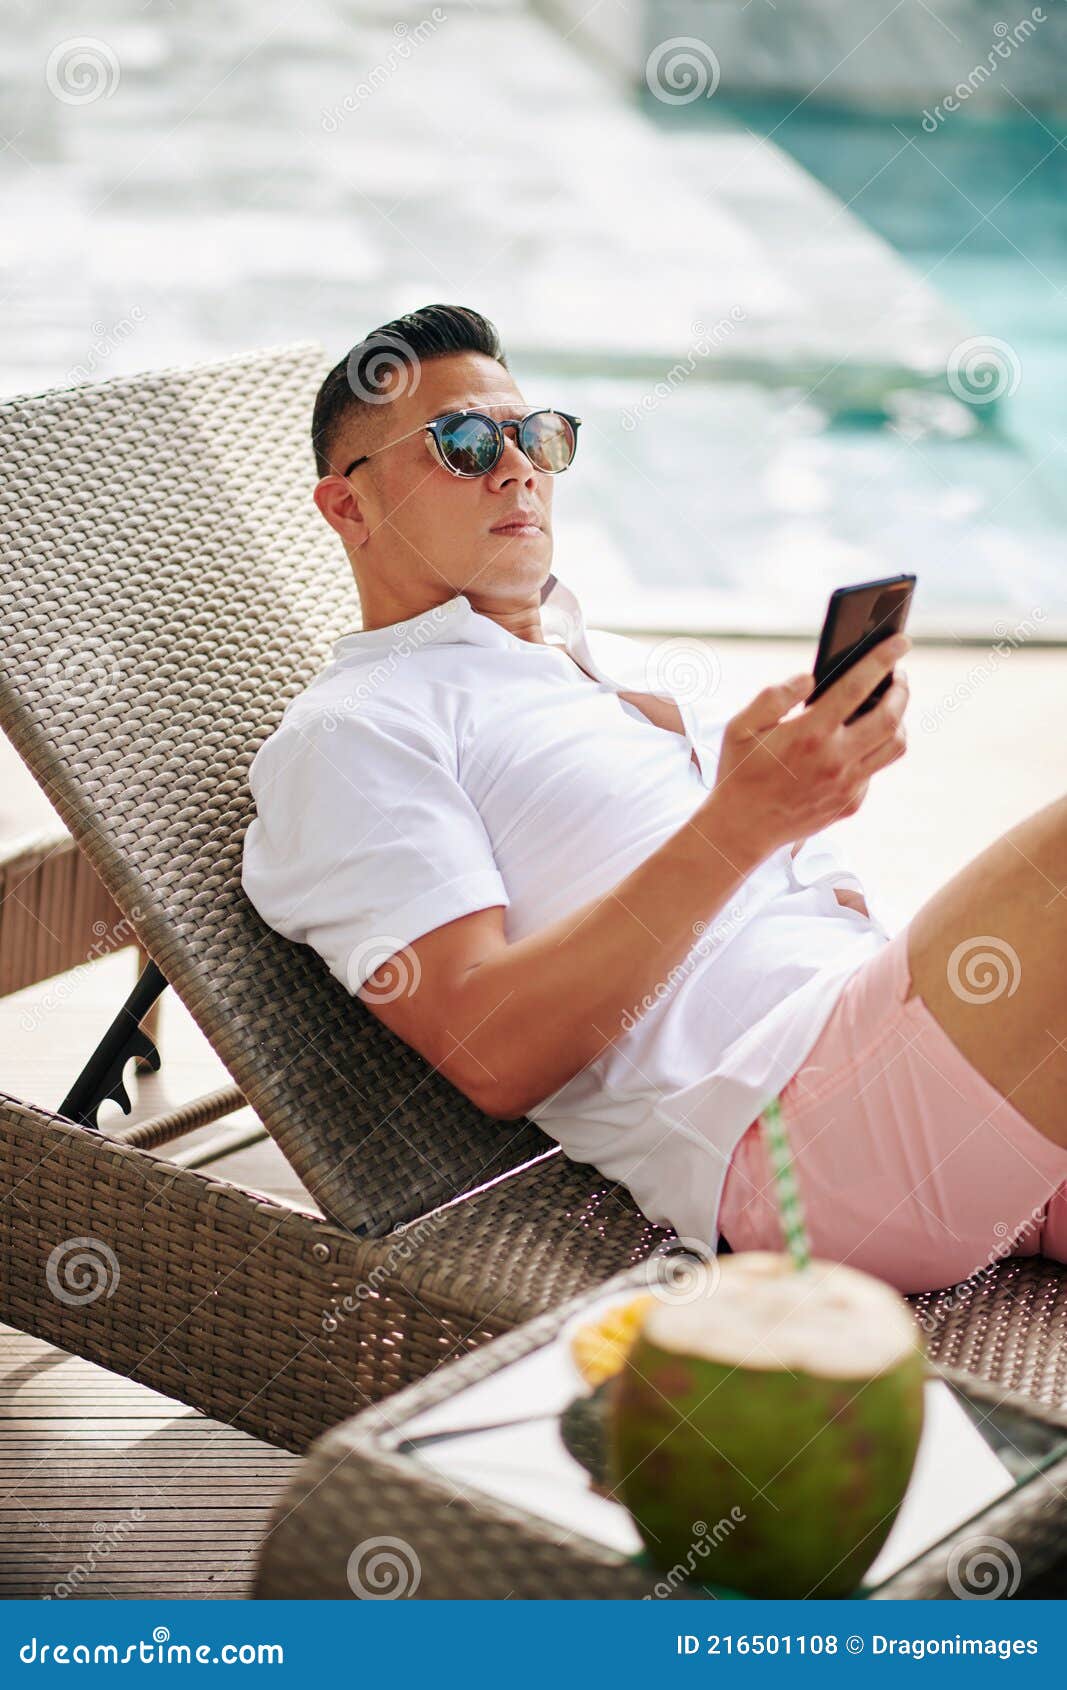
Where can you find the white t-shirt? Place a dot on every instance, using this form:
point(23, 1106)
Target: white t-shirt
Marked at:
point(442, 765)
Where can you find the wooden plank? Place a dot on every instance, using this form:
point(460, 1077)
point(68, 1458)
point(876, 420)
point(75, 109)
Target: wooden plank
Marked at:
point(108, 1488)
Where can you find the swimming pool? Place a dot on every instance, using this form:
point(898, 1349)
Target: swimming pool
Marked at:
point(979, 206)
point(785, 498)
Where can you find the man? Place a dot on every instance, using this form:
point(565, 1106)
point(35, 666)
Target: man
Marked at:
point(587, 903)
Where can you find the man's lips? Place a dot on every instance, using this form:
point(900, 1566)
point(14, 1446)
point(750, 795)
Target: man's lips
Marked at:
point(520, 522)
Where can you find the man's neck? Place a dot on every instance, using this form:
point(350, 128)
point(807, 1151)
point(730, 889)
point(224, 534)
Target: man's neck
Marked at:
point(523, 619)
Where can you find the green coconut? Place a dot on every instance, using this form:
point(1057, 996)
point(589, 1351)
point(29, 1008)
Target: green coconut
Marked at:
point(762, 1435)
point(583, 1430)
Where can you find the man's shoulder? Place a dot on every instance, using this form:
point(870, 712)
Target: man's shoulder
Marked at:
point(347, 717)
point(368, 691)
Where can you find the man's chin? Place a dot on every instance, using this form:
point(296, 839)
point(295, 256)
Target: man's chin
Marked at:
point(523, 560)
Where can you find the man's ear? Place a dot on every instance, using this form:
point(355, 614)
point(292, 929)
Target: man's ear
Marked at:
point(342, 508)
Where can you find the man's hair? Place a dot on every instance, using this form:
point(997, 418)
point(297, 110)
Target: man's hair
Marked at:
point(385, 364)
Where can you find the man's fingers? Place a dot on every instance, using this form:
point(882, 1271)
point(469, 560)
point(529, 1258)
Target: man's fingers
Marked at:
point(868, 732)
point(888, 752)
point(769, 706)
point(846, 695)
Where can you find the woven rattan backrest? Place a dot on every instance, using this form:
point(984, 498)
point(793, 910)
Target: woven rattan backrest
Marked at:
point(166, 586)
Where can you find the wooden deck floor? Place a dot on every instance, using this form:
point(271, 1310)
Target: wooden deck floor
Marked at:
point(108, 1489)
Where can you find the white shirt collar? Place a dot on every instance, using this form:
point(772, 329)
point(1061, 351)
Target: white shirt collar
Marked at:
point(456, 622)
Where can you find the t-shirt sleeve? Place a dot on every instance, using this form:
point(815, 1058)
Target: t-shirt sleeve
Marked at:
point(363, 840)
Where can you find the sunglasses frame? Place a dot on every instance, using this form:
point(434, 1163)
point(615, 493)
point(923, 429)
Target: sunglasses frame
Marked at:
point(518, 423)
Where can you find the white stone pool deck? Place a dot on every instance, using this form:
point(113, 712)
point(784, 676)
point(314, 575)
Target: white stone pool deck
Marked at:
point(315, 172)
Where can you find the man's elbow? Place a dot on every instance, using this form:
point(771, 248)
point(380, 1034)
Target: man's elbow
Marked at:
point(485, 1076)
point(503, 1091)
point(497, 1099)
point(496, 1095)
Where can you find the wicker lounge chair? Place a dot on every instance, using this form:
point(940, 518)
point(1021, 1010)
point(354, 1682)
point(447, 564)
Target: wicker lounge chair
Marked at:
point(166, 587)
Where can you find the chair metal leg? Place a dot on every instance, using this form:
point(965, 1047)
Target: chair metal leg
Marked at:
point(102, 1075)
point(150, 1020)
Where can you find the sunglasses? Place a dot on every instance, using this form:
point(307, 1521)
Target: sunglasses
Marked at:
point(468, 443)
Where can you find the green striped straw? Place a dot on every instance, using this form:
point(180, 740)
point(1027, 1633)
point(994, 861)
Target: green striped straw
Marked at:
point(790, 1207)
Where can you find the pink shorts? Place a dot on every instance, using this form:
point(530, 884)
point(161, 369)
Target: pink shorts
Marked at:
point(910, 1164)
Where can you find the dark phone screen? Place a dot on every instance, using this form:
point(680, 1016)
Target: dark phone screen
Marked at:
point(858, 619)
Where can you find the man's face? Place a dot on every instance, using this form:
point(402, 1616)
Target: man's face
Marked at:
point(428, 528)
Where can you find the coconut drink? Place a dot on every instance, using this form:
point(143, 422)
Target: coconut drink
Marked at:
point(772, 1422)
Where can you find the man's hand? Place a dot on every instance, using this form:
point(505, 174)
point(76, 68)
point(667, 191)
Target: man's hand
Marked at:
point(782, 777)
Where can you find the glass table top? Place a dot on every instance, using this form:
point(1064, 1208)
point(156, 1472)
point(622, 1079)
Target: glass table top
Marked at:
point(500, 1438)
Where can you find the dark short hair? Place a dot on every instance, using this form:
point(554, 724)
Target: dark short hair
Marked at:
point(369, 367)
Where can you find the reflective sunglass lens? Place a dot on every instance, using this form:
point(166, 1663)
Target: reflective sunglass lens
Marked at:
point(468, 445)
point(549, 441)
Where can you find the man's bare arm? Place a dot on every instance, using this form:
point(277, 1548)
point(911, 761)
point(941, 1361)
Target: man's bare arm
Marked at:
point(509, 1024)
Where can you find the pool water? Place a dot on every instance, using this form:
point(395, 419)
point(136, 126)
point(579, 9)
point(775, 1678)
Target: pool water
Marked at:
point(765, 500)
point(978, 207)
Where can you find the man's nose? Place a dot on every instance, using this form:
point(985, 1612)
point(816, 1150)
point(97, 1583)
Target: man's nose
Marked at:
point(513, 460)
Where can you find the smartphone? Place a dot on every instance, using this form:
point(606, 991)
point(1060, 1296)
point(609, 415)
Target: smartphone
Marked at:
point(857, 619)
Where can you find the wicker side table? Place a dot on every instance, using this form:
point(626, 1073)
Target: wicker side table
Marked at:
point(355, 1500)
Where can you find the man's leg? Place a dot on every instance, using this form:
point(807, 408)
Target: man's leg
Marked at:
point(988, 956)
